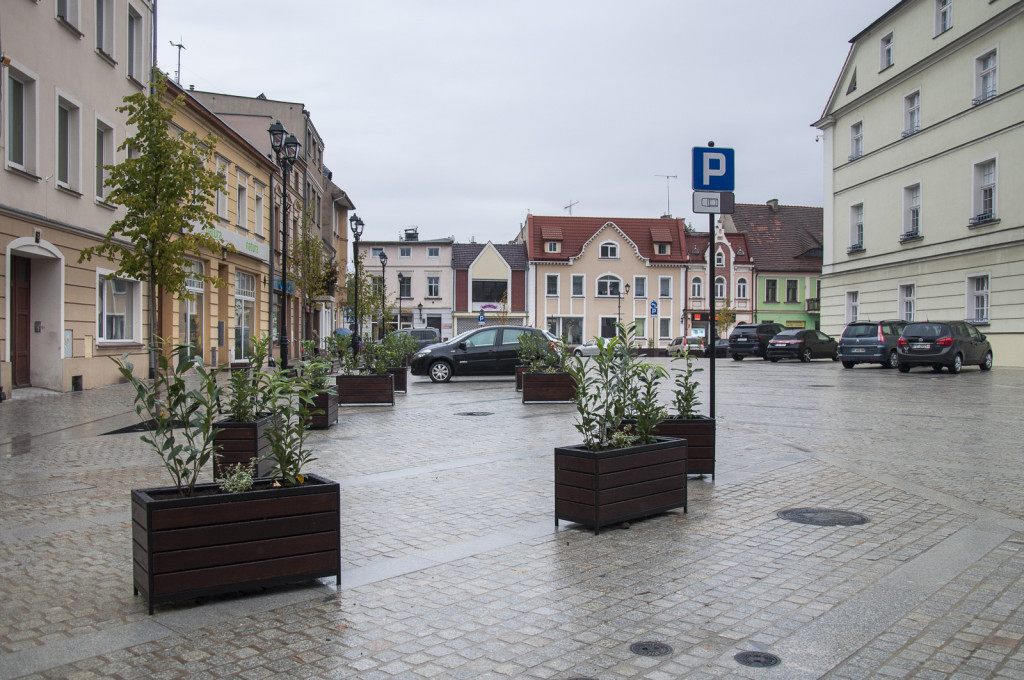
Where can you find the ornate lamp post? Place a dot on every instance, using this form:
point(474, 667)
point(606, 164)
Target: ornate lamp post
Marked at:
point(281, 140)
point(619, 292)
point(383, 291)
point(357, 231)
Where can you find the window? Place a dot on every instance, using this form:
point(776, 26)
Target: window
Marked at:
point(242, 201)
point(663, 248)
point(856, 140)
point(640, 286)
point(191, 305)
point(21, 120)
point(696, 288)
point(640, 326)
point(221, 198)
point(551, 284)
point(104, 156)
point(792, 290)
point(68, 145)
point(434, 251)
point(136, 34)
point(117, 307)
point(375, 253)
point(943, 16)
point(984, 192)
point(720, 259)
point(664, 327)
point(405, 285)
point(608, 286)
point(568, 327)
point(911, 113)
point(911, 212)
point(245, 313)
point(609, 251)
point(852, 305)
point(857, 227)
point(906, 302)
point(741, 289)
point(720, 287)
point(67, 12)
point(553, 246)
point(257, 196)
point(986, 78)
point(489, 290)
point(105, 27)
point(887, 57)
point(433, 286)
point(977, 298)
point(485, 338)
point(405, 251)
point(577, 285)
point(665, 286)
point(771, 290)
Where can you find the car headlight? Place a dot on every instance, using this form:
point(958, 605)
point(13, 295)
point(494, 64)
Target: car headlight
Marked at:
point(422, 353)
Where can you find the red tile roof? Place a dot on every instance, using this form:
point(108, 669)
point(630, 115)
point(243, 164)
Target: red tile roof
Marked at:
point(788, 239)
point(577, 231)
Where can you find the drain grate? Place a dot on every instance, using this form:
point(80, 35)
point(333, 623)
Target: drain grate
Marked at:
point(649, 648)
point(475, 413)
point(823, 517)
point(757, 659)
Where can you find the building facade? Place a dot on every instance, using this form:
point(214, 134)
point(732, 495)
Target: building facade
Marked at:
point(923, 140)
point(66, 69)
point(489, 285)
point(732, 283)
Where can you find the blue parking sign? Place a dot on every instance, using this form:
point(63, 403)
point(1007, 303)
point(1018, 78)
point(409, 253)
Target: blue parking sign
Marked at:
point(654, 308)
point(713, 169)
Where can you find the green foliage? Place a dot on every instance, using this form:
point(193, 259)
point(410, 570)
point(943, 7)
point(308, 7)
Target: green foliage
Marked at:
point(237, 477)
point(248, 392)
point(170, 401)
point(340, 347)
point(539, 356)
point(644, 409)
point(376, 359)
point(684, 397)
point(372, 305)
point(312, 271)
point(293, 403)
point(725, 317)
point(397, 346)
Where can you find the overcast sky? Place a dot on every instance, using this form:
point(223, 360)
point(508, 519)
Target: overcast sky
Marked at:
point(461, 116)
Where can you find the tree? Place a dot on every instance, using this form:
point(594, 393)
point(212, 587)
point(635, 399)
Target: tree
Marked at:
point(309, 267)
point(371, 303)
point(725, 316)
point(166, 190)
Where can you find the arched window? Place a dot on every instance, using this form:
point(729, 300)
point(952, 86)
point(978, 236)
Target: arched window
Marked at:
point(609, 285)
point(609, 250)
point(741, 289)
point(720, 259)
point(696, 288)
point(720, 287)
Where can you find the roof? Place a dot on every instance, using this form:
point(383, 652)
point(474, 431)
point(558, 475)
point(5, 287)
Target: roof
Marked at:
point(787, 239)
point(576, 232)
point(464, 254)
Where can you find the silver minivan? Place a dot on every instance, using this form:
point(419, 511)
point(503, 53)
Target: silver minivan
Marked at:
point(870, 342)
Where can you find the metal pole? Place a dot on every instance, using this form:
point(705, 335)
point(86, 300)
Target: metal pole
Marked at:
point(282, 331)
point(383, 296)
point(355, 256)
point(711, 305)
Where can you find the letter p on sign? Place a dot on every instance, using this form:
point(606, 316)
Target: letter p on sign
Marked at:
point(713, 169)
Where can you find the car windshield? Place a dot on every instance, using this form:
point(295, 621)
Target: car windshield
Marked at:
point(860, 330)
point(782, 335)
point(926, 330)
point(745, 330)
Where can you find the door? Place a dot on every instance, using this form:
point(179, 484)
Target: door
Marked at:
point(479, 354)
point(508, 351)
point(608, 327)
point(21, 314)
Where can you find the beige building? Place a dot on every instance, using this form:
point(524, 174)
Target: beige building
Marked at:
point(923, 138)
point(67, 67)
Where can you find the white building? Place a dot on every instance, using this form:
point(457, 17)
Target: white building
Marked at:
point(924, 159)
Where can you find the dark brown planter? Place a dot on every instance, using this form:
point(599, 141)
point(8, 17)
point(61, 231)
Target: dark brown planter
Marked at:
point(519, 377)
point(366, 389)
point(220, 542)
point(598, 488)
point(699, 434)
point(325, 410)
point(540, 387)
point(240, 443)
point(401, 374)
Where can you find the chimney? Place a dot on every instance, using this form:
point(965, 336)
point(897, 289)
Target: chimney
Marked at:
point(773, 205)
point(412, 234)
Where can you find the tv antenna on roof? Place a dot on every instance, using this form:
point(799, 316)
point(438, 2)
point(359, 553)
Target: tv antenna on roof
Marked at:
point(668, 197)
point(177, 74)
point(569, 207)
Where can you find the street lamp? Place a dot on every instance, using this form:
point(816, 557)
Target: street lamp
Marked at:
point(401, 283)
point(357, 231)
point(420, 307)
point(383, 291)
point(619, 293)
point(280, 141)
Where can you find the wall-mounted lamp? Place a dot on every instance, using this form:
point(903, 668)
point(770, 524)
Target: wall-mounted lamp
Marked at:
point(420, 307)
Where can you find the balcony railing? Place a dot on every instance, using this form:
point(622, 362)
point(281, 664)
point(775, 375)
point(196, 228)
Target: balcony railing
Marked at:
point(982, 218)
point(855, 248)
point(911, 235)
point(911, 130)
point(813, 304)
point(984, 97)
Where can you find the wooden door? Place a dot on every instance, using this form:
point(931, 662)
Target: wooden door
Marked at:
point(21, 315)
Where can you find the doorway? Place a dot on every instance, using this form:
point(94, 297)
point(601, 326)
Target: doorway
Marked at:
point(21, 316)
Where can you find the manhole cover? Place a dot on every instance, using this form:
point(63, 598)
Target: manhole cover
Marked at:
point(757, 659)
point(823, 517)
point(475, 413)
point(649, 648)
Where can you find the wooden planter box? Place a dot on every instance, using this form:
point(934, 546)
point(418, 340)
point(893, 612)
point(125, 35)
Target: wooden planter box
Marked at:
point(366, 389)
point(240, 443)
point(699, 434)
point(541, 387)
point(220, 542)
point(401, 375)
point(325, 410)
point(598, 488)
point(519, 377)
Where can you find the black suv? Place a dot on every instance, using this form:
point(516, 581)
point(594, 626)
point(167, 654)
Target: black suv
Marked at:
point(751, 339)
point(870, 342)
point(943, 343)
point(491, 350)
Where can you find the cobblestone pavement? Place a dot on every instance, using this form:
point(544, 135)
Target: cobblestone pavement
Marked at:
point(453, 568)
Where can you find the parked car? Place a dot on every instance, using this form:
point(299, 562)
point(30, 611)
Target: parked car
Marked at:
point(870, 342)
point(491, 350)
point(693, 344)
point(751, 339)
point(803, 344)
point(721, 348)
point(422, 336)
point(587, 349)
point(943, 343)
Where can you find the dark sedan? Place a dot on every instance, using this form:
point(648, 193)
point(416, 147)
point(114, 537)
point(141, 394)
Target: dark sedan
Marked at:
point(491, 350)
point(802, 344)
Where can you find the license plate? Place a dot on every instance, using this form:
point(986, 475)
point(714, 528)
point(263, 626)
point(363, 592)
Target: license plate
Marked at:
point(921, 345)
point(858, 350)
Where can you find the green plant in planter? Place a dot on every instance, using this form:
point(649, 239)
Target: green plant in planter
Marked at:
point(644, 409)
point(316, 368)
point(376, 358)
point(179, 416)
point(237, 477)
point(293, 401)
point(539, 356)
point(247, 391)
point(397, 346)
point(341, 349)
point(684, 397)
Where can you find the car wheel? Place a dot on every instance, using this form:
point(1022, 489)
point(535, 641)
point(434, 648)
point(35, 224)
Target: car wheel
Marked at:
point(440, 371)
point(577, 353)
point(849, 364)
point(774, 360)
point(893, 360)
point(737, 357)
point(986, 363)
point(805, 355)
point(835, 357)
point(903, 368)
point(957, 365)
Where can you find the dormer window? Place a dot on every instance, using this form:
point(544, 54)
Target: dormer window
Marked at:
point(663, 248)
point(609, 251)
point(553, 247)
